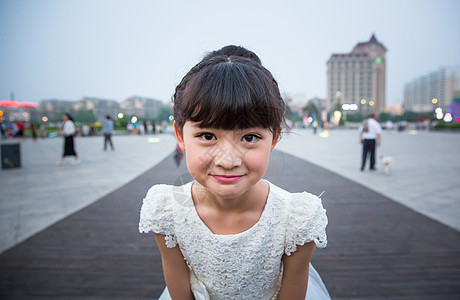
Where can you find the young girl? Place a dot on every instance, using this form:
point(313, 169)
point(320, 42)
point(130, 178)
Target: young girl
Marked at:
point(230, 234)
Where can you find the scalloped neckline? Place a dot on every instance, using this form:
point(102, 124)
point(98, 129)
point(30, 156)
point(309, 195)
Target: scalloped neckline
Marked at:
point(203, 224)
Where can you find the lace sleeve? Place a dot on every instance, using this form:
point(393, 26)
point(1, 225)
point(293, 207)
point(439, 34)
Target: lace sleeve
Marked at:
point(157, 213)
point(306, 222)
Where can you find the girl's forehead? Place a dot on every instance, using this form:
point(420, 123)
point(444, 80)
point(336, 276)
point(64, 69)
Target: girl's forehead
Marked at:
point(195, 126)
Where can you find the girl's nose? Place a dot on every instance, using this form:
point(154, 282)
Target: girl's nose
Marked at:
point(228, 157)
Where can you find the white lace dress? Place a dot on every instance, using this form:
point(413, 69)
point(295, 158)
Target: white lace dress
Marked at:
point(246, 265)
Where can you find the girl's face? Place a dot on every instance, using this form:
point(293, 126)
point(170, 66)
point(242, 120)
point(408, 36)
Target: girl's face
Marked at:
point(64, 117)
point(226, 162)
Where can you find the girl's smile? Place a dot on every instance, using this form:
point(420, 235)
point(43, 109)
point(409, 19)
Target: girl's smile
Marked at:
point(227, 178)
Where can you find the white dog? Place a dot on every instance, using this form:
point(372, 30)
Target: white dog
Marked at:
point(386, 162)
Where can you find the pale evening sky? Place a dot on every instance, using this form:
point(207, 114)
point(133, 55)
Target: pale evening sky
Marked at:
point(114, 49)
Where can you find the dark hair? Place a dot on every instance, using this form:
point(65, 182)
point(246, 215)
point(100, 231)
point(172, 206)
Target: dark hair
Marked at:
point(229, 92)
point(232, 50)
point(68, 116)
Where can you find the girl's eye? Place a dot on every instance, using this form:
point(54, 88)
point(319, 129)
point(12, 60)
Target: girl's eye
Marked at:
point(207, 136)
point(250, 138)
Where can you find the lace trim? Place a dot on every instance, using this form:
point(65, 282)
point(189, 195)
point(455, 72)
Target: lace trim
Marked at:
point(306, 222)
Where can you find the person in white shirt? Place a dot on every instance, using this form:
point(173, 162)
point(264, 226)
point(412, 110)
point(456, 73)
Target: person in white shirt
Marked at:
point(370, 136)
point(68, 131)
point(107, 130)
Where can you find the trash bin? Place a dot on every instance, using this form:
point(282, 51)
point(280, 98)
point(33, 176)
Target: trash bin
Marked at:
point(11, 155)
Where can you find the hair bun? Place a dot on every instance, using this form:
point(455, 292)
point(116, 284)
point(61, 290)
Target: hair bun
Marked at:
point(232, 50)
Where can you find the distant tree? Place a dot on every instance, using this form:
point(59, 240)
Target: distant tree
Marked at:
point(294, 117)
point(354, 117)
point(383, 117)
point(409, 116)
point(164, 113)
point(84, 116)
point(311, 109)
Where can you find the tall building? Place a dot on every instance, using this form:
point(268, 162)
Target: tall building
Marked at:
point(435, 89)
point(358, 77)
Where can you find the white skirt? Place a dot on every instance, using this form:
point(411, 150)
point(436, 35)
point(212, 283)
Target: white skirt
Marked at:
point(316, 289)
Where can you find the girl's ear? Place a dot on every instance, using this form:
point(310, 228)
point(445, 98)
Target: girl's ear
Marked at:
point(179, 137)
point(276, 138)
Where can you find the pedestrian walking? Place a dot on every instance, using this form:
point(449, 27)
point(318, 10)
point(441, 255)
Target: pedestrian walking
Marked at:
point(33, 129)
point(230, 233)
point(68, 131)
point(370, 137)
point(107, 131)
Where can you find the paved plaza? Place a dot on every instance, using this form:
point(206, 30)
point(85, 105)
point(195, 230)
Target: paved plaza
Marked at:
point(425, 168)
point(389, 236)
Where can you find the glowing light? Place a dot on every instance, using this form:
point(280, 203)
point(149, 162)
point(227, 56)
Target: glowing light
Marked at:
point(458, 120)
point(324, 133)
point(434, 100)
point(153, 140)
point(120, 116)
point(310, 119)
point(45, 119)
point(448, 117)
point(134, 119)
point(25, 114)
point(363, 101)
point(337, 117)
point(338, 93)
point(1, 113)
point(350, 106)
point(378, 60)
point(439, 116)
point(412, 132)
point(371, 103)
point(171, 118)
point(438, 110)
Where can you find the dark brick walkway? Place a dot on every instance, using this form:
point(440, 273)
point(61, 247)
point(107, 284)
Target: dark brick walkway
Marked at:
point(377, 249)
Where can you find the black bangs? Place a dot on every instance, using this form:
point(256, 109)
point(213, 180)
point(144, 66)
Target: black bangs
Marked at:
point(230, 93)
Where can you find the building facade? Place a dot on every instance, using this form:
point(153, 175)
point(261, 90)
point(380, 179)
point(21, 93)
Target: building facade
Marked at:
point(100, 107)
point(358, 77)
point(141, 107)
point(430, 91)
point(54, 108)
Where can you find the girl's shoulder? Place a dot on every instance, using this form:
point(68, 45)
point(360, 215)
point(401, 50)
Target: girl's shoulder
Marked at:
point(306, 218)
point(300, 201)
point(160, 205)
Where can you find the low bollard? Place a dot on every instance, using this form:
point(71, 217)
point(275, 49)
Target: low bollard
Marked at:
point(11, 155)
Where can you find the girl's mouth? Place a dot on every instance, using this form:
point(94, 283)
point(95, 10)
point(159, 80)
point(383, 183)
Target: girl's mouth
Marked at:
point(227, 178)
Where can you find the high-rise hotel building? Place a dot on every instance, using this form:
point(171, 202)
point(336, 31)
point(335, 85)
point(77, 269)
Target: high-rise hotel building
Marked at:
point(433, 90)
point(358, 77)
